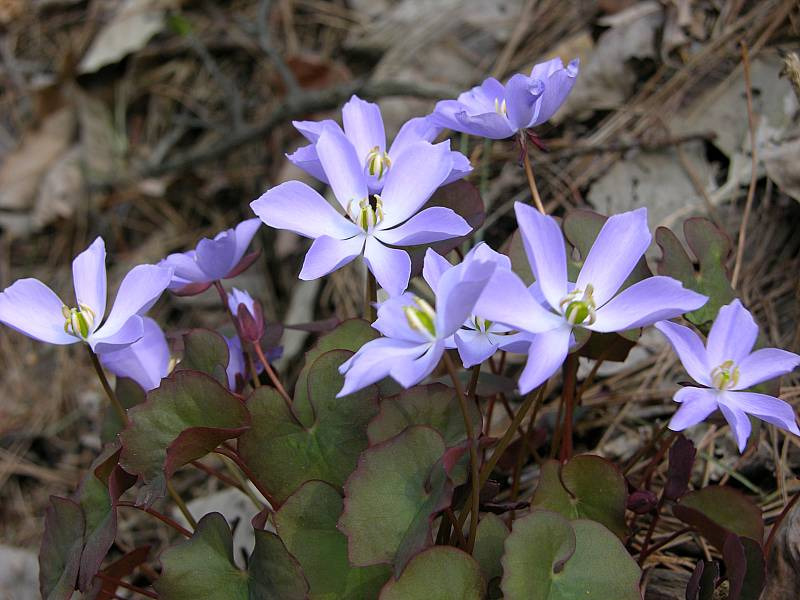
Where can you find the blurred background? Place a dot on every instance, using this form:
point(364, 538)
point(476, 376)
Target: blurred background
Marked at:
point(155, 122)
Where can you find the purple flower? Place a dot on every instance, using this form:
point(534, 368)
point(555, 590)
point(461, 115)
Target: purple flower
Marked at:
point(237, 369)
point(478, 338)
point(554, 306)
point(374, 223)
point(146, 361)
point(725, 366)
point(248, 313)
point(363, 128)
point(32, 308)
point(495, 111)
point(212, 260)
point(415, 333)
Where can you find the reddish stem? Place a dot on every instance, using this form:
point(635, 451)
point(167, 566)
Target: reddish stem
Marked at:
point(161, 517)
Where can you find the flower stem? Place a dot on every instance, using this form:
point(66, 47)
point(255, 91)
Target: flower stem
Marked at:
point(488, 466)
point(570, 375)
point(272, 376)
point(473, 453)
point(161, 517)
point(370, 296)
point(526, 161)
point(121, 412)
point(118, 582)
point(176, 498)
point(239, 462)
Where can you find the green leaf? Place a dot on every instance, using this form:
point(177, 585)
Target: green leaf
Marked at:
point(202, 567)
point(439, 573)
point(711, 248)
point(205, 351)
point(60, 553)
point(348, 335)
point(284, 454)
point(489, 540)
point(183, 420)
point(434, 405)
point(594, 490)
point(274, 573)
point(393, 496)
point(716, 511)
point(307, 524)
point(550, 558)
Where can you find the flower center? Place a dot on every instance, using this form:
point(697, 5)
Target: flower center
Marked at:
point(501, 108)
point(421, 317)
point(378, 162)
point(481, 324)
point(725, 376)
point(78, 321)
point(367, 213)
point(579, 306)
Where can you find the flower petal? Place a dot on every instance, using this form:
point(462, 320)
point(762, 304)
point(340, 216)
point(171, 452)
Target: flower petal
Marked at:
point(390, 266)
point(185, 269)
point(545, 355)
point(410, 371)
point(140, 289)
point(505, 299)
point(696, 405)
point(434, 267)
point(363, 126)
point(689, 348)
point(765, 364)
point(474, 347)
point(343, 167)
point(130, 332)
point(89, 279)
point(650, 300)
point(460, 169)
point(297, 207)
point(216, 257)
point(306, 158)
point(620, 244)
point(522, 95)
point(411, 181)
point(739, 422)
point(430, 225)
point(236, 363)
point(414, 130)
point(311, 130)
point(457, 292)
point(328, 254)
point(490, 125)
point(33, 309)
point(374, 361)
point(544, 246)
point(558, 84)
point(244, 233)
point(145, 361)
point(767, 408)
point(732, 335)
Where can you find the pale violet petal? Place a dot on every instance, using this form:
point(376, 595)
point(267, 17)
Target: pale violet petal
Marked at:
point(390, 266)
point(739, 422)
point(433, 267)
point(767, 408)
point(89, 279)
point(544, 246)
point(363, 126)
point(732, 335)
point(305, 158)
point(146, 361)
point(374, 361)
point(430, 225)
point(33, 309)
point(474, 347)
point(765, 364)
point(545, 355)
point(130, 332)
point(328, 254)
point(696, 405)
point(506, 299)
point(343, 167)
point(457, 292)
point(689, 348)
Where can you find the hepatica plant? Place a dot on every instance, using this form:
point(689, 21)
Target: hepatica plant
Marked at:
point(388, 463)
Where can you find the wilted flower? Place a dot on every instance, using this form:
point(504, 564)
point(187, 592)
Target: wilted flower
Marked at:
point(726, 366)
point(146, 361)
point(415, 333)
point(32, 308)
point(498, 111)
point(555, 306)
point(478, 338)
point(212, 260)
point(363, 128)
point(374, 222)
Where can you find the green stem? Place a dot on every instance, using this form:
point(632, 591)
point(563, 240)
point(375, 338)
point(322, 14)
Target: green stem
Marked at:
point(370, 296)
point(121, 412)
point(181, 505)
point(473, 454)
point(568, 392)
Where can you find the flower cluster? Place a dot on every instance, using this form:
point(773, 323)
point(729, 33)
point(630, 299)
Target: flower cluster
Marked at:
point(383, 206)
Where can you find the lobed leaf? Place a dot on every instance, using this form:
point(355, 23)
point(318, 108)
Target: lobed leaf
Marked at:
point(205, 351)
point(548, 557)
point(587, 487)
point(392, 497)
point(284, 452)
point(274, 573)
point(183, 420)
point(306, 523)
point(439, 573)
point(489, 544)
point(60, 552)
